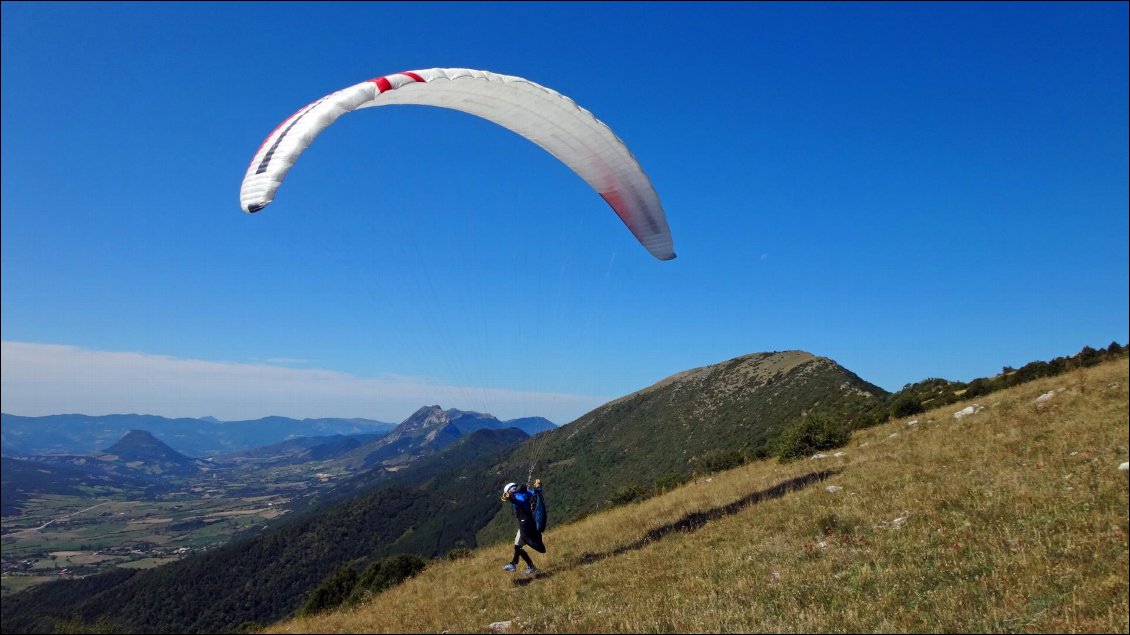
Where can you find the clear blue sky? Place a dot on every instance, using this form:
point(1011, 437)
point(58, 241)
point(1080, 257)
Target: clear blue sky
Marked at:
point(914, 190)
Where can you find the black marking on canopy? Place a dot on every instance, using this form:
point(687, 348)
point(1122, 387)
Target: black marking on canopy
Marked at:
point(274, 146)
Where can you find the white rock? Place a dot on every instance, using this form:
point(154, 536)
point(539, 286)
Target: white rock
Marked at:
point(822, 544)
point(1047, 395)
point(968, 410)
point(912, 423)
point(832, 489)
point(838, 454)
point(819, 456)
point(893, 435)
point(500, 627)
point(1124, 467)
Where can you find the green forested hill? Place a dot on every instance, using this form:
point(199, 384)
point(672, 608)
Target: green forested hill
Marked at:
point(696, 421)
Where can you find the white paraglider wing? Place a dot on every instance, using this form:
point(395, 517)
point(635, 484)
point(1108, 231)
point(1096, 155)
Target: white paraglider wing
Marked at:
point(547, 118)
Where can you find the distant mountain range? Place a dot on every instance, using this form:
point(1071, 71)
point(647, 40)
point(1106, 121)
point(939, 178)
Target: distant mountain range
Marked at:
point(431, 429)
point(207, 436)
point(138, 461)
point(426, 431)
point(85, 434)
point(141, 462)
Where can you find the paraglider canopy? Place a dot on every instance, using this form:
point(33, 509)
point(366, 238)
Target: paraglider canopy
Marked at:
point(545, 117)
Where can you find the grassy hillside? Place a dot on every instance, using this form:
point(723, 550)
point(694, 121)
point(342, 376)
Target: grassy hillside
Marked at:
point(1010, 519)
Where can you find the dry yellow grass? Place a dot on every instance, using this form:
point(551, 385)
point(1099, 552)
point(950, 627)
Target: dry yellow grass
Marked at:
point(1010, 520)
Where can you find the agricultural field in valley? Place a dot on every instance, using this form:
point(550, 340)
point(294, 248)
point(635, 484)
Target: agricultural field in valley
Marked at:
point(68, 536)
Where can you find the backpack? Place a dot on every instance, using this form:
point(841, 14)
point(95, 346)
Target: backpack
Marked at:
point(541, 516)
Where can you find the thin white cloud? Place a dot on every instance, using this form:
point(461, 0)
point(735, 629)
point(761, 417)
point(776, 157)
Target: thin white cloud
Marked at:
point(41, 379)
point(287, 361)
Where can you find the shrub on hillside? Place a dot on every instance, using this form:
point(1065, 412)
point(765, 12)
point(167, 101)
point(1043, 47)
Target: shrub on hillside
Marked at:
point(331, 592)
point(810, 434)
point(906, 405)
point(669, 482)
point(347, 587)
point(626, 494)
point(720, 460)
point(1089, 357)
point(385, 574)
point(458, 553)
point(977, 388)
